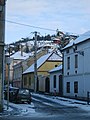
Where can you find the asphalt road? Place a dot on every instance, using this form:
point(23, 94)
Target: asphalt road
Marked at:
point(47, 110)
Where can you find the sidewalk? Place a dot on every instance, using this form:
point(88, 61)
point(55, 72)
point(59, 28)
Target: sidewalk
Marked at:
point(17, 109)
point(10, 111)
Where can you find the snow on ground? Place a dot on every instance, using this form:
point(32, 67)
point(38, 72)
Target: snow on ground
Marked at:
point(28, 109)
point(23, 108)
point(66, 101)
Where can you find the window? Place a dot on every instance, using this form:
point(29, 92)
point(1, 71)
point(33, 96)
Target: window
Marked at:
point(54, 83)
point(68, 62)
point(67, 73)
point(76, 61)
point(68, 87)
point(56, 65)
point(29, 80)
point(67, 51)
point(75, 87)
point(25, 80)
point(75, 71)
point(75, 48)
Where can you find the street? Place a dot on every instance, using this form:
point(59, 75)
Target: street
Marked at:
point(49, 110)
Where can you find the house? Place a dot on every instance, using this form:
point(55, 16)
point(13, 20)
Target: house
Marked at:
point(56, 85)
point(15, 59)
point(44, 64)
point(76, 57)
point(20, 67)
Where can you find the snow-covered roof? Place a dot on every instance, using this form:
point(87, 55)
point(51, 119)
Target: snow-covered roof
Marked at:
point(58, 68)
point(18, 55)
point(54, 38)
point(80, 39)
point(50, 56)
point(40, 61)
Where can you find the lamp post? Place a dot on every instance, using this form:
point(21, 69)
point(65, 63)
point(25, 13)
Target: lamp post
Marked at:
point(2, 39)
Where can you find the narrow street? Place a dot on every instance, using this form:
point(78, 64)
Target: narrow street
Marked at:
point(52, 109)
point(49, 110)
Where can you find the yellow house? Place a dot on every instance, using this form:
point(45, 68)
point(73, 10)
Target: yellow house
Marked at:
point(44, 64)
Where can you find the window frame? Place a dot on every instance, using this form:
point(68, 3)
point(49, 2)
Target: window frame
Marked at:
point(54, 81)
point(76, 87)
point(25, 81)
point(76, 61)
point(68, 63)
point(68, 87)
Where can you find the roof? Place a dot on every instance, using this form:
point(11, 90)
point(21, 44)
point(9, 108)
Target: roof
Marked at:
point(80, 39)
point(58, 68)
point(18, 55)
point(41, 60)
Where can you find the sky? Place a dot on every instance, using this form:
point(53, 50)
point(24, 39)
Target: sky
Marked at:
point(66, 15)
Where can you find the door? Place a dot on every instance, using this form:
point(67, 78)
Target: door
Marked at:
point(60, 85)
point(47, 85)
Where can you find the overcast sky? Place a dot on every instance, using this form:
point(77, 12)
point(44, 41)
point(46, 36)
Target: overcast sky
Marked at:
point(66, 15)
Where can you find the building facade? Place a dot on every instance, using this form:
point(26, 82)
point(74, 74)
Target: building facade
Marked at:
point(44, 65)
point(56, 85)
point(76, 80)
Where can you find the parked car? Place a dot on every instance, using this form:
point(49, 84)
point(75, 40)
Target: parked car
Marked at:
point(18, 95)
point(23, 95)
point(12, 93)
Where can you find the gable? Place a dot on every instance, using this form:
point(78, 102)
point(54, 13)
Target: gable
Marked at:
point(55, 57)
point(48, 65)
point(48, 57)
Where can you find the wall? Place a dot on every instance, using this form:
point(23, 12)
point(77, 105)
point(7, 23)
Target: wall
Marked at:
point(52, 89)
point(83, 70)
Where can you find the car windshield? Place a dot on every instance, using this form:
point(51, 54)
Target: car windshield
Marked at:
point(13, 90)
point(24, 92)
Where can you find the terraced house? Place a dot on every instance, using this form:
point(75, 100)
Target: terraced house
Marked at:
point(44, 65)
point(76, 81)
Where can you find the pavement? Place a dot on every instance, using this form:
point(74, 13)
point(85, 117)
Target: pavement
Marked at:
point(10, 111)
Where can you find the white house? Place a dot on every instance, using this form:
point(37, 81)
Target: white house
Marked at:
point(56, 80)
point(76, 57)
point(15, 59)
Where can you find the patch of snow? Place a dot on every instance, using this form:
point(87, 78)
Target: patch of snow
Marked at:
point(58, 68)
point(23, 108)
point(67, 102)
point(18, 55)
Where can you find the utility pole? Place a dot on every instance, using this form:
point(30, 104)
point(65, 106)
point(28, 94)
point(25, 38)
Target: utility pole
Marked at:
point(2, 40)
point(35, 63)
point(8, 63)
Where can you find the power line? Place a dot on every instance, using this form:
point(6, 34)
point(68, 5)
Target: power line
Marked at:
point(27, 25)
